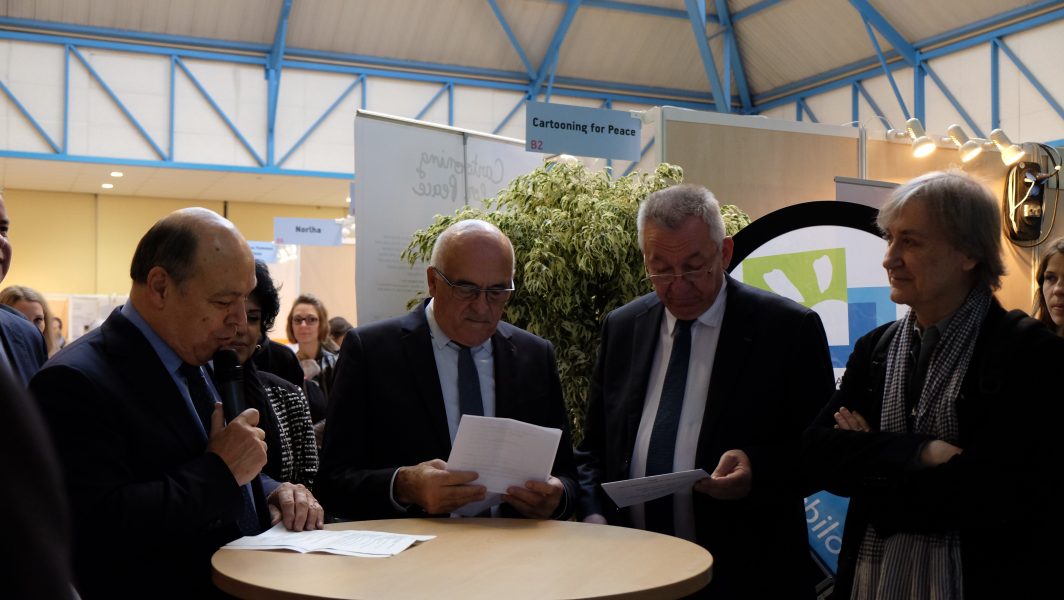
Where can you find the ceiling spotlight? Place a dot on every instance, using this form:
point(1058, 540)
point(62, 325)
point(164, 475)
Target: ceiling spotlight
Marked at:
point(107, 186)
point(117, 173)
point(1010, 153)
point(922, 143)
point(969, 148)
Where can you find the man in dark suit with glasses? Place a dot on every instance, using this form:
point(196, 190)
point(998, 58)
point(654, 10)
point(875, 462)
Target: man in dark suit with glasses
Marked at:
point(706, 372)
point(403, 384)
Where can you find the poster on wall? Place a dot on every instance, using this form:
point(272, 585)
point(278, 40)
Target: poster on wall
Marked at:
point(826, 256)
point(406, 173)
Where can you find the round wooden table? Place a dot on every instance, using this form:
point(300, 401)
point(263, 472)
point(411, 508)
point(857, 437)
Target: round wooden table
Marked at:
point(479, 558)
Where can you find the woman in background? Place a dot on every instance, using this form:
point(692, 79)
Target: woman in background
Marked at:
point(1049, 299)
point(308, 327)
point(292, 455)
point(32, 304)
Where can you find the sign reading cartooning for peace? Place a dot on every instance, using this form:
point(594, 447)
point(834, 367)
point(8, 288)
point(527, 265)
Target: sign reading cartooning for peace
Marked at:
point(598, 132)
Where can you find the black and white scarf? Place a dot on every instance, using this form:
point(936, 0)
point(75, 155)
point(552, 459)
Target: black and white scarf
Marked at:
point(914, 566)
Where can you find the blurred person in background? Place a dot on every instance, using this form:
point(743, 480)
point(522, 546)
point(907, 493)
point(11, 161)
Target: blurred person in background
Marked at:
point(32, 304)
point(1049, 298)
point(57, 327)
point(21, 348)
point(308, 328)
point(338, 328)
point(291, 452)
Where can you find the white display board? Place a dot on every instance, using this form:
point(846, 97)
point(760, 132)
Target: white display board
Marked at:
point(406, 173)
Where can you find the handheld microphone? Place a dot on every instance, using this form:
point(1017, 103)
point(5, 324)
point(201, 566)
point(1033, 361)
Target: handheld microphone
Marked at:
point(229, 377)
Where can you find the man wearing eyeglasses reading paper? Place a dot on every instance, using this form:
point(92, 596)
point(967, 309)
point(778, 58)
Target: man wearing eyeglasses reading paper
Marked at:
point(403, 384)
point(706, 372)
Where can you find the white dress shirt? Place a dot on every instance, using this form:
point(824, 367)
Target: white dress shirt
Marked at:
point(705, 332)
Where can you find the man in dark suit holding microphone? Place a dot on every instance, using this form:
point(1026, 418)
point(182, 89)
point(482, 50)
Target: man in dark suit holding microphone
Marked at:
point(157, 480)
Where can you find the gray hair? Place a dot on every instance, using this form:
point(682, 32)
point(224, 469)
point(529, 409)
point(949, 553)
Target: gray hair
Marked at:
point(468, 225)
point(964, 210)
point(672, 206)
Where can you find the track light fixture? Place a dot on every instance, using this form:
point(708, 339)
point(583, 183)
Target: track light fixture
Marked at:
point(968, 148)
point(1010, 153)
point(922, 143)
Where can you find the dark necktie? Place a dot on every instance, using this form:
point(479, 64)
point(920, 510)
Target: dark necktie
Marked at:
point(469, 401)
point(923, 346)
point(662, 447)
point(202, 400)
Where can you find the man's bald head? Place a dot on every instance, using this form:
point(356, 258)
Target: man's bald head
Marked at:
point(191, 274)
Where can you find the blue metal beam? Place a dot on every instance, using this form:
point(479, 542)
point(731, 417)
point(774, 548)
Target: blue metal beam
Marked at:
point(106, 160)
point(274, 62)
point(732, 40)
point(29, 117)
point(1030, 77)
point(995, 89)
point(953, 100)
point(510, 114)
point(696, 11)
point(513, 38)
point(173, 107)
point(643, 9)
point(432, 101)
point(919, 104)
point(328, 111)
point(66, 98)
point(642, 153)
point(114, 98)
point(220, 112)
point(900, 44)
point(551, 56)
point(753, 9)
point(60, 40)
point(886, 69)
point(948, 43)
point(871, 102)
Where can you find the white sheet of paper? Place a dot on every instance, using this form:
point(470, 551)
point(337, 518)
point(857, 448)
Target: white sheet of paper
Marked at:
point(643, 489)
point(374, 544)
point(503, 452)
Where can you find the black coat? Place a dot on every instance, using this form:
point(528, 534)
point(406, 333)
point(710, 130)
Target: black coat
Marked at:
point(1000, 494)
point(771, 375)
point(386, 410)
point(150, 506)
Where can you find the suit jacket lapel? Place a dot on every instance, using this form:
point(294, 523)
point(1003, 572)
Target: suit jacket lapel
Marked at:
point(129, 348)
point(733, 346)
point(416, 342)
point(645, 337)
point(504, 356)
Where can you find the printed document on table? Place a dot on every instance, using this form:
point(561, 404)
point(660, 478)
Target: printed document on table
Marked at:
point(349, 542)
point(644, 489)
point(503, 452)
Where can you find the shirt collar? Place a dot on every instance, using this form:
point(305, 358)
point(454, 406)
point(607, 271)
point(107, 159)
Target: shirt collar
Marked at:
point(166, 354)
point(712, 317)
point(440, 339)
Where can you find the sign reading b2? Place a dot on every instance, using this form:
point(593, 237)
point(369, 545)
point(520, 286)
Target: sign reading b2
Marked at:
point(598, 132)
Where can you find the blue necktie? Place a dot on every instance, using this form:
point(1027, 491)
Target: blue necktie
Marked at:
point(469, 401)
point(203, 402)
point(662, 447)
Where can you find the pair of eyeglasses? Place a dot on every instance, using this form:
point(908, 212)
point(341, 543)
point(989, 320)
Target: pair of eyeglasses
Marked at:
point(666, 279)
point(467, 292)
point(307, 320)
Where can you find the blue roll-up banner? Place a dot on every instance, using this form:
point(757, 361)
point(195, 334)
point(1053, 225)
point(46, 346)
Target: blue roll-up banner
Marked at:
point(825, 256)
point(307, 232)
point(562, 129)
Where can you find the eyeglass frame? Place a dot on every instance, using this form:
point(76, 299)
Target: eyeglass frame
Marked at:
point(491, 295)
point(301, 320)
point(667, 279)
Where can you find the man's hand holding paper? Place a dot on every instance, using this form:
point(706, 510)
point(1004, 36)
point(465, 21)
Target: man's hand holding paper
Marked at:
point(512, 458)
